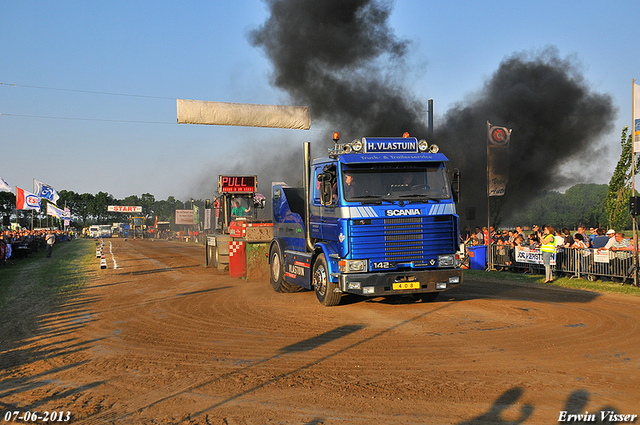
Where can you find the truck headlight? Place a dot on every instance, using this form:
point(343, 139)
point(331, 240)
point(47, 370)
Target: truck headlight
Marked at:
point(352, 266)
point(446, 260)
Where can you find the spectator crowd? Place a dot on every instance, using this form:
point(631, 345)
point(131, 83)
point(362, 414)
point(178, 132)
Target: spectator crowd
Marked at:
point(620, 250)
point(597, 238)
point(16, 244)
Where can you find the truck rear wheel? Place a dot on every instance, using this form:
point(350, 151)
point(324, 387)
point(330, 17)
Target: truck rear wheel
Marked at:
point(276, 267)
point(325, 289)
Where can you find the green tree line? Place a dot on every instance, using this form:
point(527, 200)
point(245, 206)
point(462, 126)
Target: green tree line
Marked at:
point(580, 204)
point(87, 209)
point(593, 205)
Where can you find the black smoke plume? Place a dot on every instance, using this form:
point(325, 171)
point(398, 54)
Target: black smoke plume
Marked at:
point(343, 60)
point(556, 120)
point(340, 58)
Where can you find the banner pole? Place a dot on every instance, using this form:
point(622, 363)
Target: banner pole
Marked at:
point(488, 241)
point(633, 181)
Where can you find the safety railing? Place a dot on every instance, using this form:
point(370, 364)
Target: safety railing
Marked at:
point(586, 263)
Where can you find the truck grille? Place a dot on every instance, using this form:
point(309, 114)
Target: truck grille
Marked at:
point(406, 239)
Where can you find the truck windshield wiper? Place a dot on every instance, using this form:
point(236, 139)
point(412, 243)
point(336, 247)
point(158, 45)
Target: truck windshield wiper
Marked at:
point(430, 198)
point(355, 198)
point(374, 199)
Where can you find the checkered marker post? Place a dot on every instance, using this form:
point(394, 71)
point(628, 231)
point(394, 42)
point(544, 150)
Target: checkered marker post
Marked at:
point(237, 258)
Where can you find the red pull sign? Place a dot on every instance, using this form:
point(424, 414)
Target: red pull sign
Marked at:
point(237, 184)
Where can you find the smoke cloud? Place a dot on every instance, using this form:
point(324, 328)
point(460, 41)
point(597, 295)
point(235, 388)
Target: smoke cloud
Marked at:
point(335, 56)
point(555, 117)
point(343, 60)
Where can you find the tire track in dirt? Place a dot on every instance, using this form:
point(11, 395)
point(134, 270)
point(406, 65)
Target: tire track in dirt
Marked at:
point(175, 342)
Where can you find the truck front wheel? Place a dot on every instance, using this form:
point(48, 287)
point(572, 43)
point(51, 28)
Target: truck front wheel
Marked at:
point(325, 289)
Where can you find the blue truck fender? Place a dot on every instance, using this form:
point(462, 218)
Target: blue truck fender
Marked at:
point(331, 256)
point(280, 244)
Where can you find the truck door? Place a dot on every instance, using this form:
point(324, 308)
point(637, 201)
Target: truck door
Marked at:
point(323, 218)
point(315, 209)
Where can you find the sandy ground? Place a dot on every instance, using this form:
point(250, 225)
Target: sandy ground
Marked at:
point(163, 339)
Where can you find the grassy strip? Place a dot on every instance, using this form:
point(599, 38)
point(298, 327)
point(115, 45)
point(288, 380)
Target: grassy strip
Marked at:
point(37, 277)
point(563, 282)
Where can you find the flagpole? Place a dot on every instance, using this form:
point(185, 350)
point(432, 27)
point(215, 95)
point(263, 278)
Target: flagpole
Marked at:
point(633, 180)
point(488, 241)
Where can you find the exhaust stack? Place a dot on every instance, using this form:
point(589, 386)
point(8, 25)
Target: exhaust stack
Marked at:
point(307, 170)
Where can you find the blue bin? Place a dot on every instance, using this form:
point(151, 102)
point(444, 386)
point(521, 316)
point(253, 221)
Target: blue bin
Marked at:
point(478, 257)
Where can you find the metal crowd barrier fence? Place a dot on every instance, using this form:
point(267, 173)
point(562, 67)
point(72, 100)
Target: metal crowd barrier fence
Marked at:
point(586, 263)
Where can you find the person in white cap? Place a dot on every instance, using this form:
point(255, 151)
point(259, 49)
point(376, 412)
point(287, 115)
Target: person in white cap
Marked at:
point(611, 233)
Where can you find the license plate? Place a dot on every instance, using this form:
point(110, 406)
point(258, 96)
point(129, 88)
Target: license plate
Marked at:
point(406, 285)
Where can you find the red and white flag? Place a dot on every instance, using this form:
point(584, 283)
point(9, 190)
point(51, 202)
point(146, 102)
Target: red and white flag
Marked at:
point(27, 200)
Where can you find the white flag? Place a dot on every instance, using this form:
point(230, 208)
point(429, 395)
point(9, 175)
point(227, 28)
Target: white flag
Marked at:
point(56, 212)
point(45, 191)
point(4, 186)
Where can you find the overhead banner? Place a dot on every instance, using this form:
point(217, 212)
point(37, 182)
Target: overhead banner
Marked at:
point(497, 159)
point(243, 114)
point(119, 208)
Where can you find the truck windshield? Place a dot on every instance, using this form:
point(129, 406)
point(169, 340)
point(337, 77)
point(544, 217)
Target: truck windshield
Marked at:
point(394, 182)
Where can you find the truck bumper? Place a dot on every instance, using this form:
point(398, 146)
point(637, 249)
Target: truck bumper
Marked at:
point(394, 283)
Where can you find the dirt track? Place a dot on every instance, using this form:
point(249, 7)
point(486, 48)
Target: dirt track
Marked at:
point(162, 339)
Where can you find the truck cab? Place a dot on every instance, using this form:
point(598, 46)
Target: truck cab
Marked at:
point(381, 220)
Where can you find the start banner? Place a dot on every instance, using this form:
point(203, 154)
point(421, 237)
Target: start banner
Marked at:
point(532, 256)
point(119, 208)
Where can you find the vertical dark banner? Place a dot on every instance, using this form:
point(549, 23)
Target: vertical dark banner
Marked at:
point(497, 159)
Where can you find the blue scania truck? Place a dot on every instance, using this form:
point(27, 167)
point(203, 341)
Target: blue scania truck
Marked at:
point(376, 217)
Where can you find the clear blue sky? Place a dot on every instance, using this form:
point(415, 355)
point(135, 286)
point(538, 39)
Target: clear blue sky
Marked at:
point(158, 51)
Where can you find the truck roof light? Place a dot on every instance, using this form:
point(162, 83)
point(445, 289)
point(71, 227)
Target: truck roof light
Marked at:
point(434, 148)
point(357, 145)
point(406, 134)
point(336, 136)
point(423, 145)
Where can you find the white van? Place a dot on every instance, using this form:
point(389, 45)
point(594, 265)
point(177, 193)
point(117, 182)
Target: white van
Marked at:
point(94, 231)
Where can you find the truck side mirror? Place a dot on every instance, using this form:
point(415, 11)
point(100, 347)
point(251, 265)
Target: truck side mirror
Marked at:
point(455, 185)
point(326, 189)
